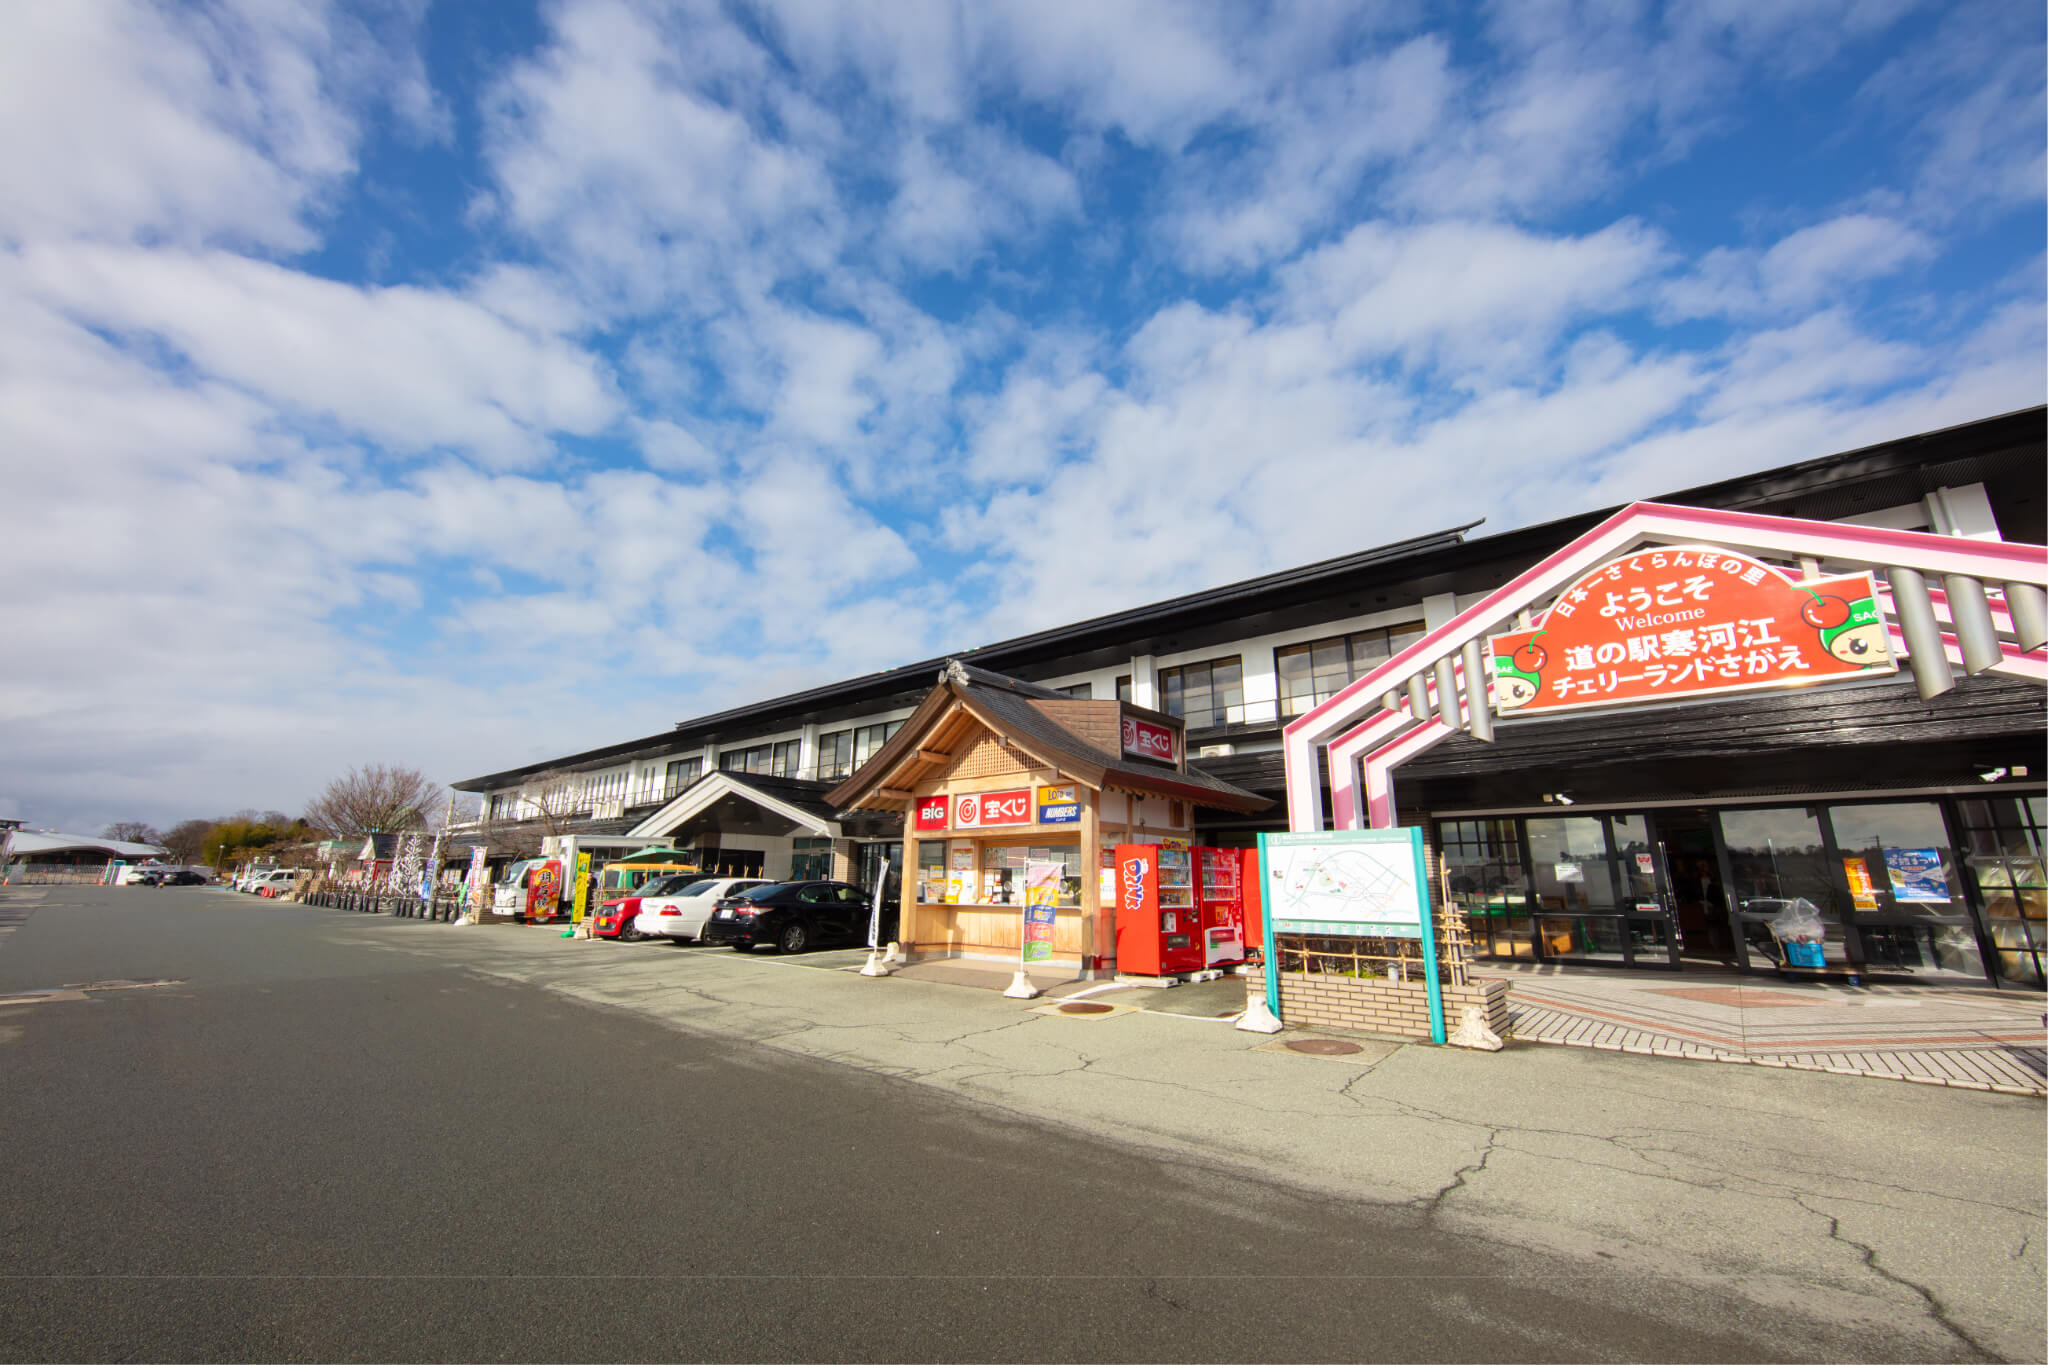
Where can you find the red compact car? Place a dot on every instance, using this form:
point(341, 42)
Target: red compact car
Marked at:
point(614, 918)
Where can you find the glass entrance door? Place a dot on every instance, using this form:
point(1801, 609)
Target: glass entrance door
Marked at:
point(1598, 890)
point(1781, 895)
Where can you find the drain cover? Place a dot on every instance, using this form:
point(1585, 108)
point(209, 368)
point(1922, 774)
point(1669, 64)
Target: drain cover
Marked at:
point(1086, 1007)
point(1324, 1047)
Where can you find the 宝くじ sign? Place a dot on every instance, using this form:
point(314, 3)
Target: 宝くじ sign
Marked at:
point(976, 809)
point(1685, 621)
point(1147, 740)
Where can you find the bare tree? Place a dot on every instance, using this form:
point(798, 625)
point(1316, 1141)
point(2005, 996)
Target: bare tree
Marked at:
point(554, 798)
point(391, 800)
point(132, 832)
point(186, 840)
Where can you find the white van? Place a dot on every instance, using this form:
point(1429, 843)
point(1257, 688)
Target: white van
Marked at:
point(278, 881)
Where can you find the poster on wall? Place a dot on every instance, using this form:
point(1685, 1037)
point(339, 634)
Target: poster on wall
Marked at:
point(1916, 876)
point(1862, 890)
point(1681, 621)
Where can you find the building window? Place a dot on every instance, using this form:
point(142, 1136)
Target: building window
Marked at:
point(810, 860)
point(681, 773)
point(1123, 688)
point(765, 760)
point(1311, 674)
point(504, 805)
point(1078, 691)
point(870, 738)
point(835, 755)
point(1204, 694)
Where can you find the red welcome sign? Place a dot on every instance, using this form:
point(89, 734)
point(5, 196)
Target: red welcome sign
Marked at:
point(931, 812)
point(976, 809)
point(1683, 621)
point(1147, 740)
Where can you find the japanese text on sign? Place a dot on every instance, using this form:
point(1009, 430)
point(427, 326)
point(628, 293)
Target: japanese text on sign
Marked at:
point(1683, 621)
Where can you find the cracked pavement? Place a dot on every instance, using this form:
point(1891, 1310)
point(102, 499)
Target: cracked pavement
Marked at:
point(1842, 1204)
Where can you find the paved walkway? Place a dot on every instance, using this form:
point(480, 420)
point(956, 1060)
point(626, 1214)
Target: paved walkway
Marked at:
point(1933, 1034)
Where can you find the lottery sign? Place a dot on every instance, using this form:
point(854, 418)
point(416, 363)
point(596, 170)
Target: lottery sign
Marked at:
point(1683, 621)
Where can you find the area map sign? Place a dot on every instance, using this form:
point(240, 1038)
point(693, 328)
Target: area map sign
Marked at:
point(1338, 883)
point(1681, 621)
point(1351, 883)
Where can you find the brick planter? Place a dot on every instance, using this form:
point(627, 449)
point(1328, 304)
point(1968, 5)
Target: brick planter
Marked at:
point(1376, 1005)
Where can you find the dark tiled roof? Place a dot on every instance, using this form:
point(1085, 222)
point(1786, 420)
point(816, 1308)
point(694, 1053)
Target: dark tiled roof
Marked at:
point(1006, 705)
point(1011, 700)
point(810, 797)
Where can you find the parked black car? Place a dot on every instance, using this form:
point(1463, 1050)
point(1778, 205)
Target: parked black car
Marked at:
point(794, 916)
point(183, 877)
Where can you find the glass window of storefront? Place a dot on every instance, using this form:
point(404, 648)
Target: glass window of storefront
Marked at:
point(1482, 862)
point(1906, 887)
point(2002, 839)
point(1914, 916)
point(931, 871)
point(1003, 867)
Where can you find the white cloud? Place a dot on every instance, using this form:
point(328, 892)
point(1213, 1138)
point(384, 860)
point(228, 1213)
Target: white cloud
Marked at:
point(1822, 356)
point(1812, 266)
point(673, 448)
point(1472, 296)
point(409, 368)
point(196, 124)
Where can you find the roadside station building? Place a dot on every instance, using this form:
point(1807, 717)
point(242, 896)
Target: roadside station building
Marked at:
point(1676, 824)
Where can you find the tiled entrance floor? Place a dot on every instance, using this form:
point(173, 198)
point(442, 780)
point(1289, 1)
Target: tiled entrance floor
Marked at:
point(1969, 1036)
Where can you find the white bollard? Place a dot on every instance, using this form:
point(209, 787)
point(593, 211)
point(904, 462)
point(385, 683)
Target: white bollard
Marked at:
point(1256, 1017)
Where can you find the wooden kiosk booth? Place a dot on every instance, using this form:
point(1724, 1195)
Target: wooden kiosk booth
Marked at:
point(998, 780)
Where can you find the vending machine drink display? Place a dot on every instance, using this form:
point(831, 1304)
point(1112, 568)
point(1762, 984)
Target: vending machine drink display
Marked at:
point(1220, 887)
point(1158, 925)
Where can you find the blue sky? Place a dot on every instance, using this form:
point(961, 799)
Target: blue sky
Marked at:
point(462, 384)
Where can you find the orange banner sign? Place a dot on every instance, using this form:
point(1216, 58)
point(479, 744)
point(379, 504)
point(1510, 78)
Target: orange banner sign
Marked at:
point(1683, 621)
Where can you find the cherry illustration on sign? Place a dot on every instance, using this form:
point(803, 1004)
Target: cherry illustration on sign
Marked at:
point(1685, 621)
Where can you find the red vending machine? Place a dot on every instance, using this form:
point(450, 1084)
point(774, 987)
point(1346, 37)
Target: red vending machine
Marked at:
point(1158, 926)
point(1219, 886)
